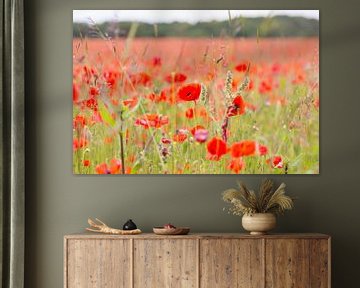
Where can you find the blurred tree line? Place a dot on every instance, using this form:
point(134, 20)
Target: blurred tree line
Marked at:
point(276, 26)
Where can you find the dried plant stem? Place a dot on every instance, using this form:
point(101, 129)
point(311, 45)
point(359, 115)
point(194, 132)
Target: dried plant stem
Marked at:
point(224, 128)
point(122, 153)
point(245, 201)
point(101, 227)
point(225, 123)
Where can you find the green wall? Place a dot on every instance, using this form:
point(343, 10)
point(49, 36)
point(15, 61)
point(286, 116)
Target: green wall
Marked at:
point(58, 203)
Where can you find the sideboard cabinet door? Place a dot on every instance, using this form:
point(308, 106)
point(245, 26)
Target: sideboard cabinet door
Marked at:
point(98, 263)
point(168, 263)
point(320, 263)
point(297, 263)
point(231, 263)
point(287, 263)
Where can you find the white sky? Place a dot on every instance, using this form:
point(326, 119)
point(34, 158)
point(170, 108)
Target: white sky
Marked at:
point(191, 16)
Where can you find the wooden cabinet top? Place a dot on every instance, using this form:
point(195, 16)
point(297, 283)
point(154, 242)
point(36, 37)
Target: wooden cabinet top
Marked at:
point(200, 236)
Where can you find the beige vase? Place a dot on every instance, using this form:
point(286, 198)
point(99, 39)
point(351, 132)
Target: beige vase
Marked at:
point(259, 223)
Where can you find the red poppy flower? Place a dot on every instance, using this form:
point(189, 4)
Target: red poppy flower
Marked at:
point(91, 104)
point(94, 91)
point(276, 68)
point(243, 148)
point(115, 102)
point(251, 85)
point(238, 101)
point(180, 137)
point(189, 113)
point(111, 77)
point(277, 162)
point(79, 143)
point(236, 165)
point(75, 92)
point(238, 107)
point(115, 166)
point(190, 92)
point(265, 87)
point(88, 73)
point(111, 82)
point(156, 61)
point(242, 67)
point(131, 102)
point(197, 127)
point(177, 78)
point(102, 169)
point(300, 78)
point(141, 78)
point(79, 122)
point(86, 162)
point(152, 120)
point(216, 148)
point(151, 96)
point(263, 150)
point(166, 94)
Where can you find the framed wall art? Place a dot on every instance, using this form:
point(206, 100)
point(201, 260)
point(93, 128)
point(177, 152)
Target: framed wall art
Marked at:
point(195, 92)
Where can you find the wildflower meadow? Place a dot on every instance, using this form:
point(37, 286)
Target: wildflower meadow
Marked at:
point(195, 105)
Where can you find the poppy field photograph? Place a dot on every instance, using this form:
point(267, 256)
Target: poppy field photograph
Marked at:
point(195, 92)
